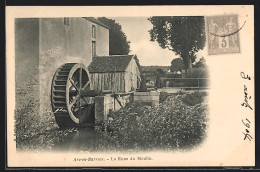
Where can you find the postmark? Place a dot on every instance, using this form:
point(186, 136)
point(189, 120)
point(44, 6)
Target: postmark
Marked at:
point(223, 34)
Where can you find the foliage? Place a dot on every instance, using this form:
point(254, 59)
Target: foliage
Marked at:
point(173, 125)
point(194, 98)
point(200, 64)
point(118, 44)
point(160, 71)
point(177, 65)
point(183, 35)
point(34, 131)
point(163, 96)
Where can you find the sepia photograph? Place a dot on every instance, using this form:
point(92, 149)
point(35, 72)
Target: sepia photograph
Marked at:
point(148, 89)
point(81, 82)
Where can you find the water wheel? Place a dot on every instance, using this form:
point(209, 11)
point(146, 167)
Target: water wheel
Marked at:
point(70, 106)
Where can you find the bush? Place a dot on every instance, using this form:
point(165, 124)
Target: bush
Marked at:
point(172, 125)
point(194, 98)
point(163, 95)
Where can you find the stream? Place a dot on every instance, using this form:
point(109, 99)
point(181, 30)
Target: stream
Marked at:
point(82, 140)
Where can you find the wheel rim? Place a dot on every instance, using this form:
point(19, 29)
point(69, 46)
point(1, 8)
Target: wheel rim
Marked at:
point(70, 108)
point(78, 79)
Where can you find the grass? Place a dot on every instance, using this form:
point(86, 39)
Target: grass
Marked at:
point(36, 131)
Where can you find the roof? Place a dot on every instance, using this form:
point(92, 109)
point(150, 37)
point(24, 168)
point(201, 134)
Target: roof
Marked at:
point(113, 63)
point(92, 19)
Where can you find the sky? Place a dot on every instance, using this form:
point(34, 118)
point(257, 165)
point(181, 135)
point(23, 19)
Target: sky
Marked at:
point(148, 52)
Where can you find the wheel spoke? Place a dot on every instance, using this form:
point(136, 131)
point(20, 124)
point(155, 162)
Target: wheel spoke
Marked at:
point(74, 101)
point(74, 85)
point(85, 86)
point(84, 107)
point(84, 100)
point(72, 92)
point(80, 78)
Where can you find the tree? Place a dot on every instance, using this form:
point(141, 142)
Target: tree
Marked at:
point(200, 64)
point(177, 65)
point(159, 71)
point(185, 36)
point(118, 44)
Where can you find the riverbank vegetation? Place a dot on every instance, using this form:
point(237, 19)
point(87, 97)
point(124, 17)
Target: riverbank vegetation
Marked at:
point(35, 131)
point(179, 123)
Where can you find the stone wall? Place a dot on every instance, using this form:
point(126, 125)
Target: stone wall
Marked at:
point(26, 61)
point(105, 104)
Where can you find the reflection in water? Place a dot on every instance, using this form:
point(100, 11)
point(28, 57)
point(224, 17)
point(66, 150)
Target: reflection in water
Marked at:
point(82, 140)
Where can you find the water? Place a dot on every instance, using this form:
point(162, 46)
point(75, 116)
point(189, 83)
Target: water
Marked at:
point(84, 139)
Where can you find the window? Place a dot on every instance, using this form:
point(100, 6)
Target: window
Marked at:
point(66, 21)
point(93, 48)
point(93, 31)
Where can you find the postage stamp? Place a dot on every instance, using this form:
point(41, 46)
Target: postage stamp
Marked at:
point(223, 34)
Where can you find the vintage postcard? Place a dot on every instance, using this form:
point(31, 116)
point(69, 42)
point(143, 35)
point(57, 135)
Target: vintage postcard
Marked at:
point(135, 86)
